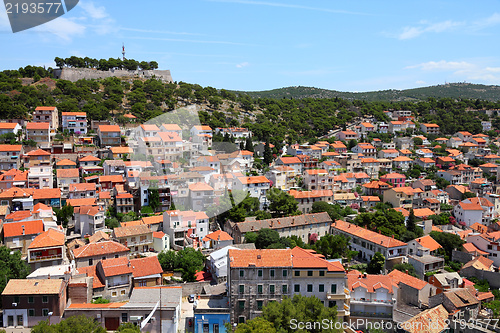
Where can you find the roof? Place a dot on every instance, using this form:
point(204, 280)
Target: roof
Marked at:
point(430, 125)
point(14, 229)
point(8, 125)
point(87, 210)
point(121, 150)
point(370, 282)
point(202, 128)
point(393, 175)
point(111, 178)
point(471, 248)
point(253, 180)
point(461, 298)
point(73, 113)
point(310, 194)
point(200, 187)
point(18, 215)
point(49, 238)
point(158, 234)
point(423, 212)
point(400, 277)
point(171, 127)
point(132, 230)
point(437, 315)
point(429, 243)
point(91, 271)
point(371, 236)
point(290, 160)
point(218, 235)
point(115, 266)
point(37, 126)
point(260, 258)
point(11, 147)
point(81, 202)
point(98, 236)
point(68, 173)
point(34, 287)
point(480, 263)
point(100, 248)
point(302, 258)
point(145, 266)
point(45, 108)
point(65, 162)
point(82, 187)
point(38, 152)
point(89, 158)
point(470, 206)
point(150, 127)
point(481, 201)
point(109, 128)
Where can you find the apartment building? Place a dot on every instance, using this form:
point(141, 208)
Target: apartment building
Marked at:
point(40, 133)
point(10, 156)
point(74, 122)
point(47, 114)
point(138, 238)
point(109, 135)
point(180, 225)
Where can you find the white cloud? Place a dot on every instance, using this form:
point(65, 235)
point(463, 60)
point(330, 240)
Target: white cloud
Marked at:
point(462, 70)
point(93, 11)
point(285, 5)
point(63, 28)
point(243, 64)
point(426, 27)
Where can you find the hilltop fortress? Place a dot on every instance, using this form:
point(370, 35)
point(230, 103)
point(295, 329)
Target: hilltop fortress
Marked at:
point(75, 74)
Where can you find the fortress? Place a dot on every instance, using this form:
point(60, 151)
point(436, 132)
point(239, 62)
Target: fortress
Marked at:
point(75, 74)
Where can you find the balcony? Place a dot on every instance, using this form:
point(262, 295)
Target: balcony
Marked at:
point(45, 258)
point(371, 314)
point(335, 296)
point(373, 301)
point(118, 284)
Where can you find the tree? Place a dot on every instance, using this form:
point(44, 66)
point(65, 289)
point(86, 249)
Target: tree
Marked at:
point(128, 328)
point(411, 223)
point(187, 260)
point(249, 144)
point(351, 144)
point(266, 237)
point(418, 141)
point(281, 203)
point(11, 266)
point(448, 241)
point(74, 324)
point(256, 325)
point(268, 154)
point(406, 268)
point(154, 198)
point(64, 214)
point(250, 237)
point(467, 195)
point(333, 246)
point(376, 265)
point(321, 206)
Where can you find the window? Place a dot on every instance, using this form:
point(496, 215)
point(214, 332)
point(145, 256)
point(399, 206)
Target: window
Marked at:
point(297, 273)
point(259, 305)
point(321, 273)
point(331, 304)
point(124, 317)
point(271, 288)
point(321, 288)
point(272, 273)
point(242, 273)
point(31, 299)
point(241, 320)
point(31, 312)
point(45, 312)
point(333, 289)
point(309, 273)
point(259, 273)
point(216, 328)
point(143, 283)
point(45, 299)
point(490, 247)
point(91, 262)
point(242, 288)
point(285, 273)
point(284, 289)
point(123, 292)
point(296, 288)
point(241, 305)
point(309, 288)
point(16, 299)
point(114, 294)
point(259, 289)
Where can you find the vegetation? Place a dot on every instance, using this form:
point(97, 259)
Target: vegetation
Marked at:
point(448, 241)
point(406, 268)
point(376, 265)
point(188, 261)
point(74, 324)
point(11, 266)
point(277, 316)
point(103, 64)
point(64, 214)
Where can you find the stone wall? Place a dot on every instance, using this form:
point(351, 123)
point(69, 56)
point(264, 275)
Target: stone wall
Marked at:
point(75, 74)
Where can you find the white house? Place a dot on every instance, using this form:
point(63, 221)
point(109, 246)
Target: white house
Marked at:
point(468, 213)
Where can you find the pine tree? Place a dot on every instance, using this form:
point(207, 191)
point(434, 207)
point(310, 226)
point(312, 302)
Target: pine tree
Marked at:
point(410, 224)
point(249, 144)
point(268, 155)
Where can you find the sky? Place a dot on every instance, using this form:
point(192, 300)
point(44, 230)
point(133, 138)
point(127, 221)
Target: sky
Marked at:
point(255, 45)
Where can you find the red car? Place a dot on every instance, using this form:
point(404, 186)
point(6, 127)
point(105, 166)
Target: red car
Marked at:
point(190, 322)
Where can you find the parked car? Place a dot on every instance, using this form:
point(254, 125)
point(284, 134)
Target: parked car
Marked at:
point(191, 298)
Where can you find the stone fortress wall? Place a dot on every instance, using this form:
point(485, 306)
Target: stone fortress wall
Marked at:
point(75, 74)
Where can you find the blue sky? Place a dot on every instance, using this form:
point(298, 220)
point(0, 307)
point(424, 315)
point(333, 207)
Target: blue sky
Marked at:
point(260, 45)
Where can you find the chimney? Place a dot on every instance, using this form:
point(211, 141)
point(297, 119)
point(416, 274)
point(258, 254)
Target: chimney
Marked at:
point(364, 275)
point(23, 231)
point(406, 271)
point(259, 257)
point(359, 276)
point(48, 276)
point(392, 236)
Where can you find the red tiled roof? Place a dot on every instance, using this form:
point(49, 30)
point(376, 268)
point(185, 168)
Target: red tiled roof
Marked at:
point(372, 236)
point(38, 152)
point(429, 243)
point(81, 202)
point(11, 147)
point(16, 228)
point(260, 258)
point(89, 158)
point(109, 128)
point(253, 180)
point(37, 126)
point(132, 231)
point(45, 108)
point(310, 259)
point(97, 249)
point(49, 238)
point(115, 266)
point(66, 162)
point(91, 271)
point(68, 173)
point(111, 178)
point(46, 193)
point(370, 282)
point(470, 206)
point(82, 187)
point(400, 277)
point(18, 215)
point(145, 266)
point(218, 235)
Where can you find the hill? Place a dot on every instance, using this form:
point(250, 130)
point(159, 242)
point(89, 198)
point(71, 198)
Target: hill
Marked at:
point(450, 90)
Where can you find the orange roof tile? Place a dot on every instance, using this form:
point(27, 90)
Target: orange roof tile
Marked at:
point(366, 234)
point(370, 282)
point(111, 178)
point(218, 235)
point(37, 126)
point(89, 158)
point(302, 258)
point(46, 193)
point(11, 147)
point(145, 266)
point(260, 258)
point(91, 271)
point(14, 229)
point(38, 152)
point(8, 125)
point(82, 187)
point(135, 230)
point(253, 180)
point(423, 212)
point(470, 206)
point(310, 194)
point(100, 248)
point(109, 128)
point(18, 215)
point(65, 162)
point(81, 202)
point(200, 187)
point(68, 173)
point(429, 243)
point(49, 238)
point(115, 266)
point(400, 277)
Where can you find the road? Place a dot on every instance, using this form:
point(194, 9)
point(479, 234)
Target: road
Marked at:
point(187, 313)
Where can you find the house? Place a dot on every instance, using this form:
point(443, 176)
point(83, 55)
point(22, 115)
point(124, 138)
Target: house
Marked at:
point(161, 241)
point(375, 187)
point(146, 271)
point(88, 220)
point(468, 213)
point(201, 195)
point(217, 239)
point(47, 249)
point(116, 275)
point(411, 290)
point(10, 156)
point(305, 199)
point(65, 177)
point(395, 179)
point(109, 182)
point(429, 128)
point(40, 133)
point(424, 262)
point(212, 311)
point(47, 114)
point(171, 128)
point(388, 153)
point(346, 136)
point(256, 277)
point(315, 179)
point(91, 253)
point(40, 177)
point(138, 238)
point(487, 243)
point(460, 302)
point(124, 201)
point(305, 227)
point(438, 316)
point(366, 128)
point(179, 225)
point(396, 126)
point(48, 196)
point(18, 236)
point(402, 162)
point(256, 186)
point(12, 178)
point(293, 162)
point(369, 202)
point(26, 302)
point(82, 190)
point(400, 197)
point(65, 164)
point(6, 128)
point(425, 162)
point(74, 122)
point(368, 242)
point(426, 242)
point(109, 135)
point(424, 152)
point(371, 295)
point(367, 149)
point(90, 164)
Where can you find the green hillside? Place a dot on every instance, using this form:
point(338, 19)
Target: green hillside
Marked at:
point(450, 90)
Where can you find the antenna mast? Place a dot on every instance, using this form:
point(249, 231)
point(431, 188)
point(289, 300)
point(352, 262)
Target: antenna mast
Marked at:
point(123, 52)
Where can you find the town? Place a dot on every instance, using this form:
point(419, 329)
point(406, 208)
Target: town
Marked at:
point(173, 224)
